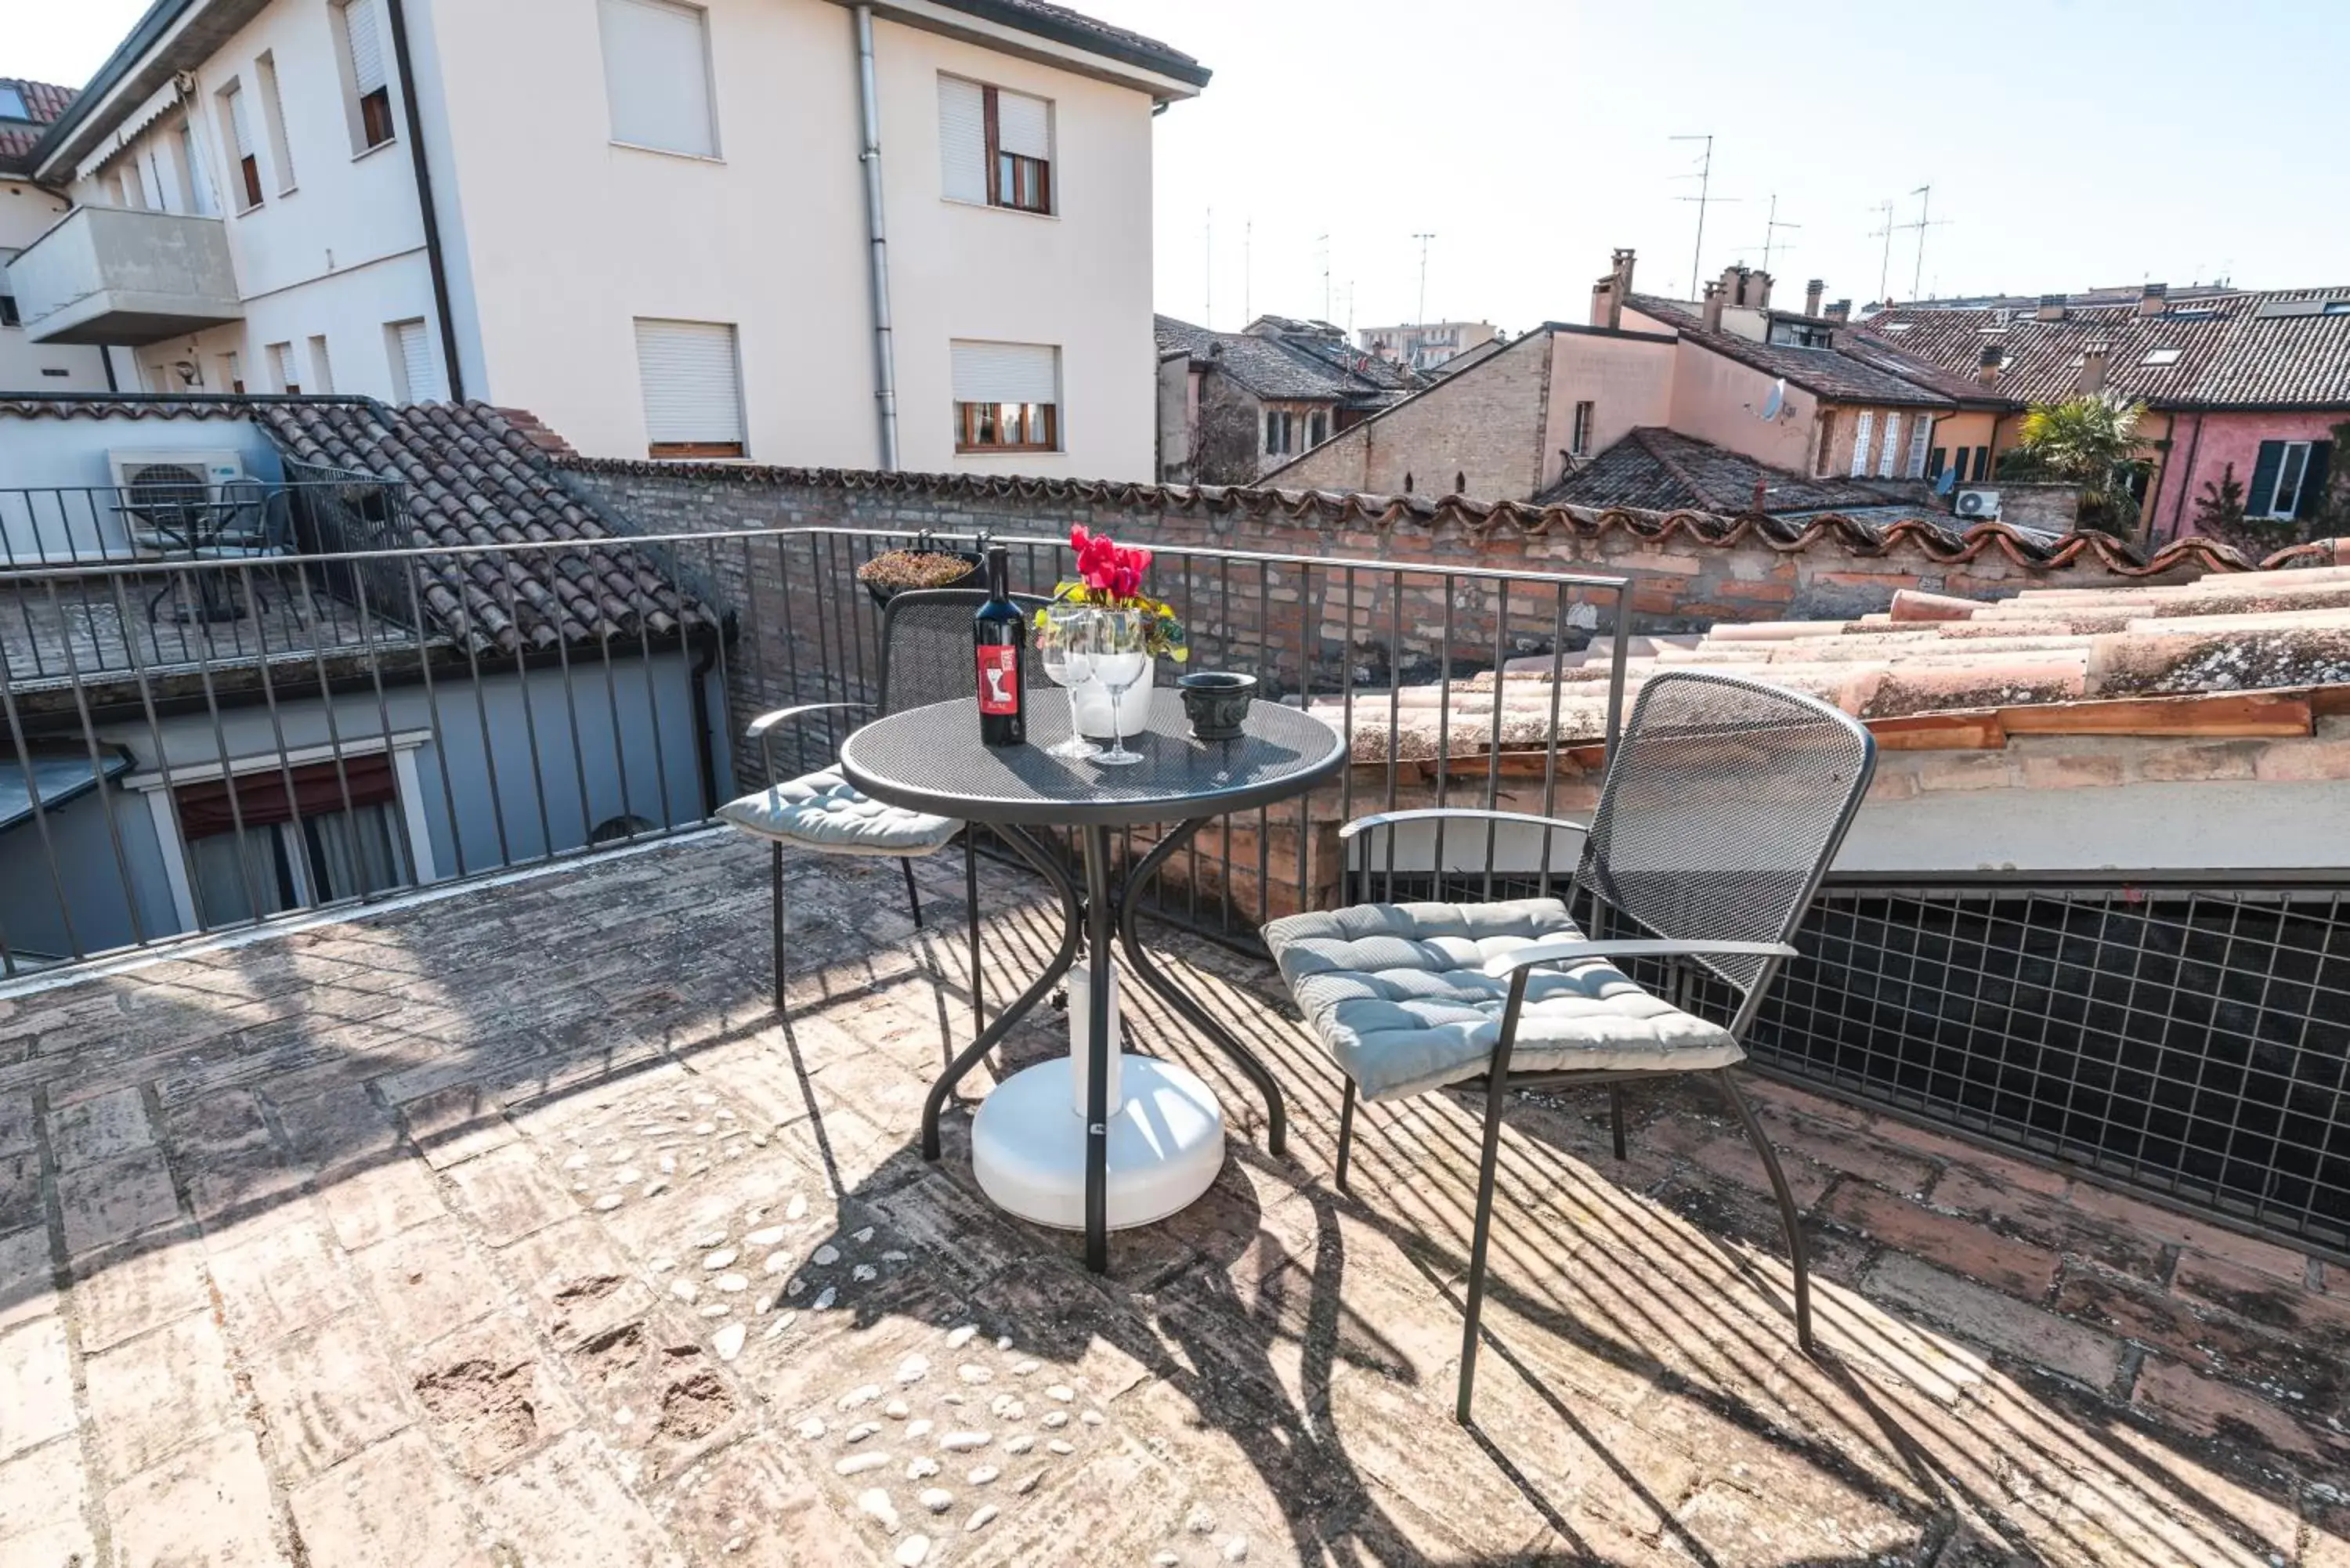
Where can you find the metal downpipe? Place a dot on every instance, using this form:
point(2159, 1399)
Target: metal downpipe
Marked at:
point(885, 372)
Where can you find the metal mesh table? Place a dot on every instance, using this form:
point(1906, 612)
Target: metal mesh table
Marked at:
point(931, 758)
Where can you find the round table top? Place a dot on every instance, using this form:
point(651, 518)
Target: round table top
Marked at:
point(931, 758)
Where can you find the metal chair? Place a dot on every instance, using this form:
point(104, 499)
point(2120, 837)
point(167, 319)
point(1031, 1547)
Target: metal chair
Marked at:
point(1723, 805)
point(926, 657)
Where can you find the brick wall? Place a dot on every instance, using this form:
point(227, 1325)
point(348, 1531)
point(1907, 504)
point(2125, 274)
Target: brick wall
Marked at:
point(1484, 428)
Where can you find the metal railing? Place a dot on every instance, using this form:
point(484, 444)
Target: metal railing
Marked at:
point(336, 691)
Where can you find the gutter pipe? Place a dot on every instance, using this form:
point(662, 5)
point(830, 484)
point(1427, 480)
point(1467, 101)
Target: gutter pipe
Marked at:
point(885, 372)
point(434, 260)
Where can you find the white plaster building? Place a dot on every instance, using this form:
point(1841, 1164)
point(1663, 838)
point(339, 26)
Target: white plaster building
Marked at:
point(650, 222)
point(26, 109)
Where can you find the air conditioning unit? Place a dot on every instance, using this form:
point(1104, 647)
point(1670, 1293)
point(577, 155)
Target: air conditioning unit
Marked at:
point(1979, 504)
point(169, 498)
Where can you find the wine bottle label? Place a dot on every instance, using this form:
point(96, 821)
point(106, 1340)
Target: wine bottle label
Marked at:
point(999, 680)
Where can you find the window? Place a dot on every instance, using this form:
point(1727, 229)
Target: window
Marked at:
point(1579, 442)
point(2161, 356)
point(995, 146)
point(369, 84)
point(192, 185)
point(12, 104)
point(1915, 468)
point(1937, 460)
point(1862, 426)
point(1982, 464)
point(413, 378)
point(322, 372)
point(8, 314)
point(1277, 431)
point(246, 167)
point(282, 369)
point(1317, 429)
point(656, 75)
point(692, 384)
point(131, 191)
point(1889, 449)
point(256, 849)
point(1822, 461)
point(2288, 478)
point(273, 114)
point(1007, 397)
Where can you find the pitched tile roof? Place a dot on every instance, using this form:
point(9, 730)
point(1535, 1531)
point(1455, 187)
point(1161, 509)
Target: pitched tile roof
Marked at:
point(1660, 469)
point(1305, 364)
point(2281, 348)
point(2100, 661)
point(1831, 373)
point(478, 475)
point(44, 101)
point(1058, 22)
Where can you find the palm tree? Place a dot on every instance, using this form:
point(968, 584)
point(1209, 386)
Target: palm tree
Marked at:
point(2091, 441)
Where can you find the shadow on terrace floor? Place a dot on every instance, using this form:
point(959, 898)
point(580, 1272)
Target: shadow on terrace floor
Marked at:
point(425, 1237)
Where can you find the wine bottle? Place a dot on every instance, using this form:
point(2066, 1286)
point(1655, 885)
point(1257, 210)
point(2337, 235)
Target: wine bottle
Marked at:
point(1000, 632)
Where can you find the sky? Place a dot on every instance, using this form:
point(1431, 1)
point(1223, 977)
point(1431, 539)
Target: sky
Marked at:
point(2066, 144)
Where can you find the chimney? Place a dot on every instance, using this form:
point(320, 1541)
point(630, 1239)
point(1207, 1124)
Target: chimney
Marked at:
point(1758, 294)
point(1712, 310)
point(2154, 299)
point(1607, 294)
point(2093, 359)
point(2051, 308)
point(1987, 365)
point(1840, 312)
point(1734, 281)
point(1811, 291)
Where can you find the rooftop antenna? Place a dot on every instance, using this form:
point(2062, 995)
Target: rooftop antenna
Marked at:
point(1925, 194)
point(1704, 199)
point(1423, 239)
point(1326, 277)
point(1884, 267)
point(1771, 227)
point(1248, 271)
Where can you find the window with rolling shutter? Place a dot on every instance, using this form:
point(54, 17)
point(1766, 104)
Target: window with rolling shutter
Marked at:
point(246, 174)
point(282, 368)
point(370, 83)
point(692, 385)
point(656, 75)
point(995, 146)
point(1007, 397)
point(1864, 424)
point(413, 376)
point(272, 114)
point(322, 369)
point(962, 140)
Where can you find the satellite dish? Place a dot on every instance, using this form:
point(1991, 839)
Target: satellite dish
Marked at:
point(1776, 403)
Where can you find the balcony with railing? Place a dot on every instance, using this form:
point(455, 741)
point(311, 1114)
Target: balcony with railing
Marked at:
point(122, 275)
point(401, 1105)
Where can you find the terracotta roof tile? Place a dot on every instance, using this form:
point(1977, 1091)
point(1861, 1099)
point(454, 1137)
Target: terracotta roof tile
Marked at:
point(2230, 350)
point(44, 101)
point(1660, 469)
point(1829, 372)
point(475, 477)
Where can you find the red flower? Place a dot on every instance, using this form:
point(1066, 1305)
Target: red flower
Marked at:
point(1107, 567)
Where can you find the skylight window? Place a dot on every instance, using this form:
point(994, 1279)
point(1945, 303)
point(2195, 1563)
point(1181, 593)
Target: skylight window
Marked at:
point(12, 104)
point(2161, 356)
point(1894, 329)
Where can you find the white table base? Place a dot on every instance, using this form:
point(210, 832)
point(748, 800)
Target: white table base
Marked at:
point(1166, 1144)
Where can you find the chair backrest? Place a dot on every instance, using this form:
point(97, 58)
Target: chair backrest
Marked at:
point(926, 649)
point(1724, 802)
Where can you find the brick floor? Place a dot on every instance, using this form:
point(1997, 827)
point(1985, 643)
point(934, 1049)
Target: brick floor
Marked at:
point(513, 1227)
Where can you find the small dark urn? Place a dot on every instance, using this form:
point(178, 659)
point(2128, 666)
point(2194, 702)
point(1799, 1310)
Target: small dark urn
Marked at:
point(1217, 702)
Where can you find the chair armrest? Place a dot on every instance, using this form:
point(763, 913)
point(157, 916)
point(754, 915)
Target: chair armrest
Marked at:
point(1428, 814)
point(1568, 951)
point(760, 726)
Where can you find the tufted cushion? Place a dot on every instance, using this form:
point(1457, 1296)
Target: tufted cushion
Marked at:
point(1399, 994)
point(822, 812)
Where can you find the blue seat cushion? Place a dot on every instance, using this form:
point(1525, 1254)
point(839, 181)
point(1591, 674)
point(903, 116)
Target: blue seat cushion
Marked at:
point(822, 812)
point(1398, 996)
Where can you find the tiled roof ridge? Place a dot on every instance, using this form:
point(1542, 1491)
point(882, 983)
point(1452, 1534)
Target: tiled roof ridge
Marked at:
point(479, 476)
point(1384, 513)
point(1773, 358)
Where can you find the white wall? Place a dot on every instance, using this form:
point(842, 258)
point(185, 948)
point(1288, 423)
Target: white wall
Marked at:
point(564, 239)
point(25, 212)
point(339, 254)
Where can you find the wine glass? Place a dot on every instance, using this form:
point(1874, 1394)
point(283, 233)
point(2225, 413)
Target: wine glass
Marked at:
point(1060, 640)
point(1119, 659)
